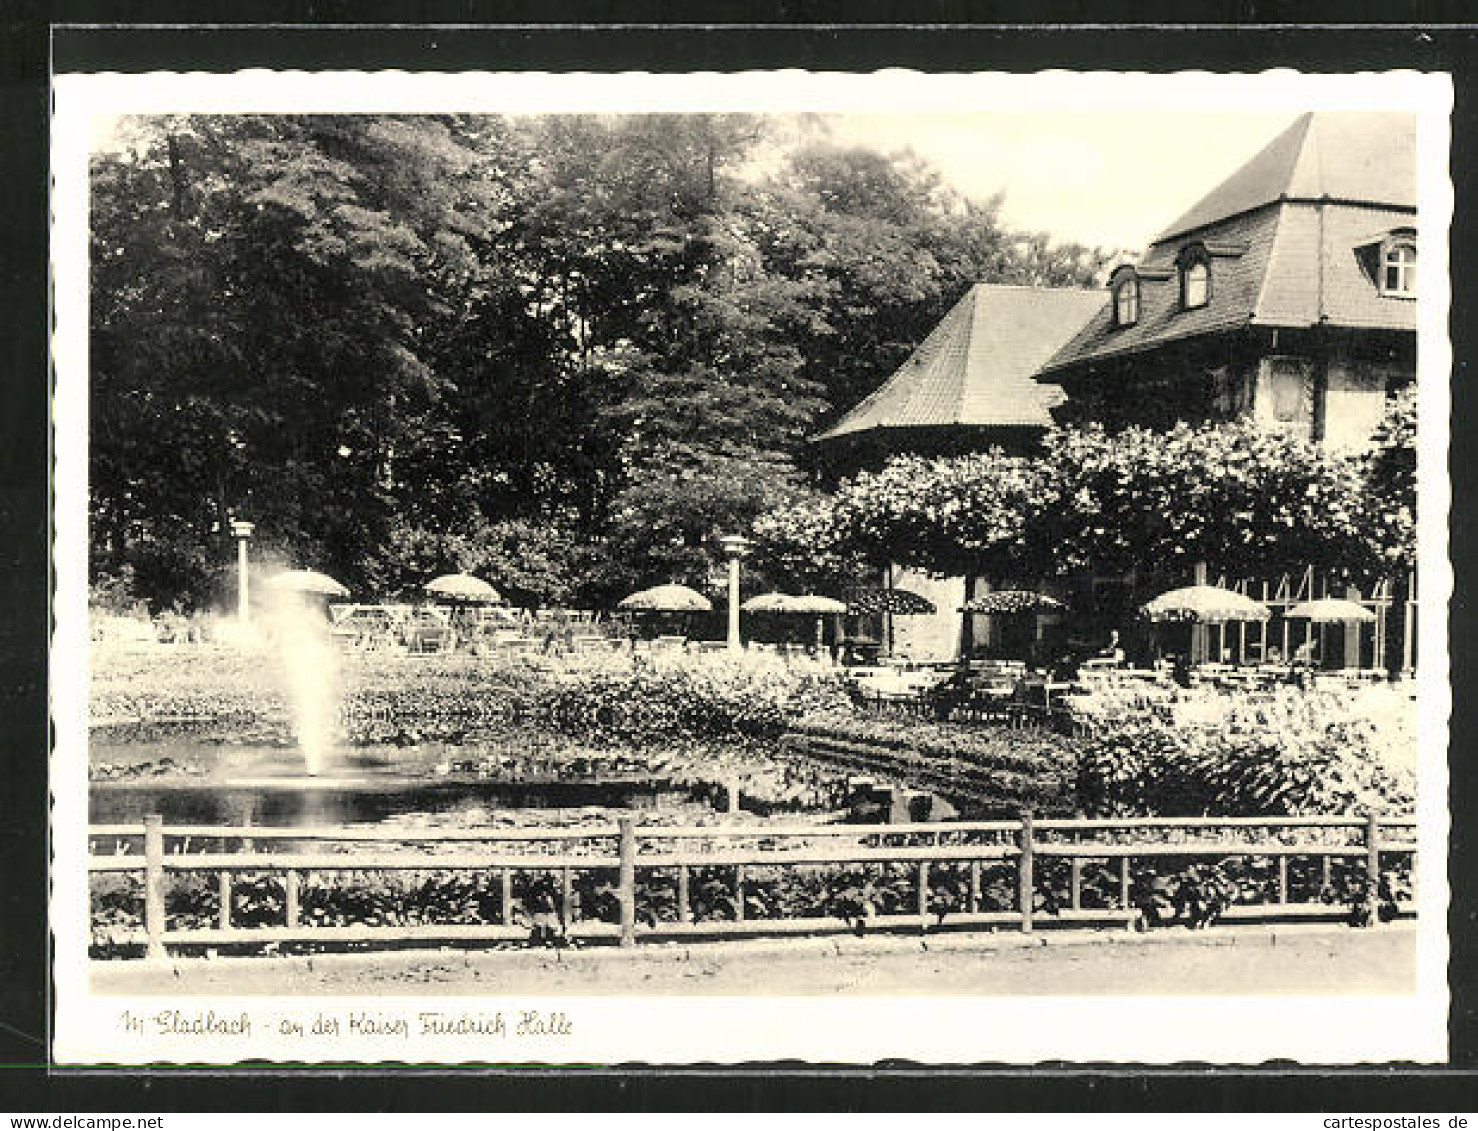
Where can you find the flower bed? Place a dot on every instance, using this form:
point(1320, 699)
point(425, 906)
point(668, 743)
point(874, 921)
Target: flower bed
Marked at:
point(1288, 752)
point(443, 698)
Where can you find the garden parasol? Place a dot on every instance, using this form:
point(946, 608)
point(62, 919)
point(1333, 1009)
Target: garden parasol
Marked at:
point(463, 587)
point(888, 602)
point(307, 581)
point(809, 605)
point(1204, 604)
point(899, 602)
point(666, 599)
point(785, 603)
point(1003, 603)
point(1010, 601)
point(1330, 610)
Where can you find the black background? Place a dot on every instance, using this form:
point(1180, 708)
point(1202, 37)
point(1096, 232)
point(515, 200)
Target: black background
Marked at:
point(36, 38)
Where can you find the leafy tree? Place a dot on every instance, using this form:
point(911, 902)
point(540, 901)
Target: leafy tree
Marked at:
point(806, 545)
point(213, 392)
point(1249, 502)
point(962, 514)
point(1390, 473)
point(566, 349)
point(530, 563)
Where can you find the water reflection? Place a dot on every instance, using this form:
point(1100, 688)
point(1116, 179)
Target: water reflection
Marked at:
point(267, 787)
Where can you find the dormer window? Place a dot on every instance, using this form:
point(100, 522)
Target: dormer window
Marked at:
point(1126, 301)
point(1398, 268)
point(1195, 277)
point(1195, 284)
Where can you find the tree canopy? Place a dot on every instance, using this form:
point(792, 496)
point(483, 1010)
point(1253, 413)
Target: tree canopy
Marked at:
point(1247, 502)
point(565, 350)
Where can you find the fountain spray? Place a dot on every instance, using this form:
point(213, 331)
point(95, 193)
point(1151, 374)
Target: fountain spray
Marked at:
point(310, 665)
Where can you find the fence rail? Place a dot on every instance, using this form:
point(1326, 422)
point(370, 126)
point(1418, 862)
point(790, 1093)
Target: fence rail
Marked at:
point(623, 849)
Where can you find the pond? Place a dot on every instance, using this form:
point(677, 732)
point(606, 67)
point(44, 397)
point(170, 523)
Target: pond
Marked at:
point(204, 784)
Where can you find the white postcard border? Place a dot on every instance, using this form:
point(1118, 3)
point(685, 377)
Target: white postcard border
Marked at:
point(1019, 1030)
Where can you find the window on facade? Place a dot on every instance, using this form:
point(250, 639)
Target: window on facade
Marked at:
point(1195, 284)
point(1126, 303)
point(1398, 268)
point(1288, 384)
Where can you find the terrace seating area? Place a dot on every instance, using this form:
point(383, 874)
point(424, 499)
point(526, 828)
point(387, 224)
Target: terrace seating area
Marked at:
point(436, 630)
point(1008, 692)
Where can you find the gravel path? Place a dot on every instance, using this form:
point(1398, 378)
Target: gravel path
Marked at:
point(1241, 960)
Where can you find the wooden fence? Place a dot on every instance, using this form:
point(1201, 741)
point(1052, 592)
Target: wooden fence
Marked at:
point(1023, 846)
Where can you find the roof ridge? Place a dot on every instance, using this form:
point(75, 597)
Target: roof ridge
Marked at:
point(1275, 246)
point(1276, 161)
point(961, 387)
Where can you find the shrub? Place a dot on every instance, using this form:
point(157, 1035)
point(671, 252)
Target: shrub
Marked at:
point(1290, 753)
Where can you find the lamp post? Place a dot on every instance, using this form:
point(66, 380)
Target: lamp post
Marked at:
point(734, 546)
point(241, 531)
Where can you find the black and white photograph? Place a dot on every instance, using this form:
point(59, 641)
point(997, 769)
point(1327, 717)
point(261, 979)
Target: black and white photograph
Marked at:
point(668, 568)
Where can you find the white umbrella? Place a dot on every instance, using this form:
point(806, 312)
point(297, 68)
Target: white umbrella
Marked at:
point(1330, 610)
point(1209, 604)
point(810, 605)
point(463, 587)
point(307, 581)
point(821, 606)
point(785, 603)
point(667, 599)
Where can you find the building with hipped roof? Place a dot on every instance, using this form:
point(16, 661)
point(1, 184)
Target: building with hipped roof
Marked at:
point(972, 383)
point(1287, 294)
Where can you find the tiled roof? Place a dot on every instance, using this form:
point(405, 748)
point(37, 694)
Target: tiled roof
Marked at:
point(1355, 158)
point(1343, 291)
point(1235, 283)
point(975, 368)
point(1299, 213)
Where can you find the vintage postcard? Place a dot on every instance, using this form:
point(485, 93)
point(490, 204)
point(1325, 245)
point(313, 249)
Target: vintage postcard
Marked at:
point(586, 569)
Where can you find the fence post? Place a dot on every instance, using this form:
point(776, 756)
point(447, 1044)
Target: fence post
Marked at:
point(684, 902)
point(566, 898)
point(1372, 868)
point(154, 885)
point(1124, 885)
point(626, 890)
point(739, 879)
point(1025, 887)
point(923, 895)
point(974, 886)
point(505, 896)
point(223, 887)
point(290, 887)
